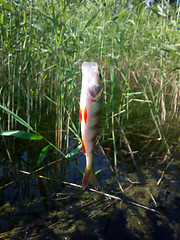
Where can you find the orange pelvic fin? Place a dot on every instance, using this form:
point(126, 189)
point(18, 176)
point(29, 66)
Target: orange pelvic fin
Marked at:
point(80, 114)
point(85, 115)
point(89, 176)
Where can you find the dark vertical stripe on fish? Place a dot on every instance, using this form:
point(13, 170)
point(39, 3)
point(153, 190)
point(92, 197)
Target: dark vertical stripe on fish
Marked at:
point(95, 126)
point(97, 113)
point(93, 139)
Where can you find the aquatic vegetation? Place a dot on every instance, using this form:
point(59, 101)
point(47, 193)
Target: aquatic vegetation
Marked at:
point(43, 45)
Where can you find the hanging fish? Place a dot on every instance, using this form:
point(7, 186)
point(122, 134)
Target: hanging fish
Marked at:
point(90, 112)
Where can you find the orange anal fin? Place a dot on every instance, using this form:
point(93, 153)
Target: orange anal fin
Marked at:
point(85, 180)
point(89, 176)
point(83, 146)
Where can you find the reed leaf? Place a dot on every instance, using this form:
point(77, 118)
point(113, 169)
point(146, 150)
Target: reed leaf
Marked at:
point(17, 118)
point(75, 151)
point(21, 134)
point(43, 154)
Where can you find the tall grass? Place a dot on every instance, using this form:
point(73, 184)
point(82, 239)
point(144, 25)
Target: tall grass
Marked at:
point(43, 44)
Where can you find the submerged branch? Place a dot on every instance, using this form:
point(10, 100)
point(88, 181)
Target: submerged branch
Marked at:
point(114, 197)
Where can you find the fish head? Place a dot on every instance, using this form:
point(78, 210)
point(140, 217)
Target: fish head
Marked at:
point(91, 78)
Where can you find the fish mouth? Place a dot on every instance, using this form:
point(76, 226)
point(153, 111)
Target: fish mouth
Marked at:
point(90, 66)
point(91, 69)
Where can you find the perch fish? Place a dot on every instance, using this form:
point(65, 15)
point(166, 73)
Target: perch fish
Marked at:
point(90, 112)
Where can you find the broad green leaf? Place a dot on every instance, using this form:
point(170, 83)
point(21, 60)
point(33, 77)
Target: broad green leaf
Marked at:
point(43, 154)
point(21, 134)
point(76, 150)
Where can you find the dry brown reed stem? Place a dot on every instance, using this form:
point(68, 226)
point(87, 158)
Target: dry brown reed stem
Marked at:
point(93, 190)
point(106, 158)
point(130, 150)
point(120, 187)
point(32, 173)
point(163, 112)
point(39, 176)
point(7, 184)
point(160, 179)
point(114, 197)
point(99, 192)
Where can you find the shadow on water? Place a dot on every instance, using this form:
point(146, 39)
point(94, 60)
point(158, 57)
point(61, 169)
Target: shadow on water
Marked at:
point(35, 203)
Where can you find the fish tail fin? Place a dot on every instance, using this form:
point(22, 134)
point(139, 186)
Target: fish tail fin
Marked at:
point(89, 176)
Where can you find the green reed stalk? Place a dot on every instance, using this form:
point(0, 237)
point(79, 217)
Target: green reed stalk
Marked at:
point(113, 123)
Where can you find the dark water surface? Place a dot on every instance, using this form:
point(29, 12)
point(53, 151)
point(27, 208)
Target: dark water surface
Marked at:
point(37, 203)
